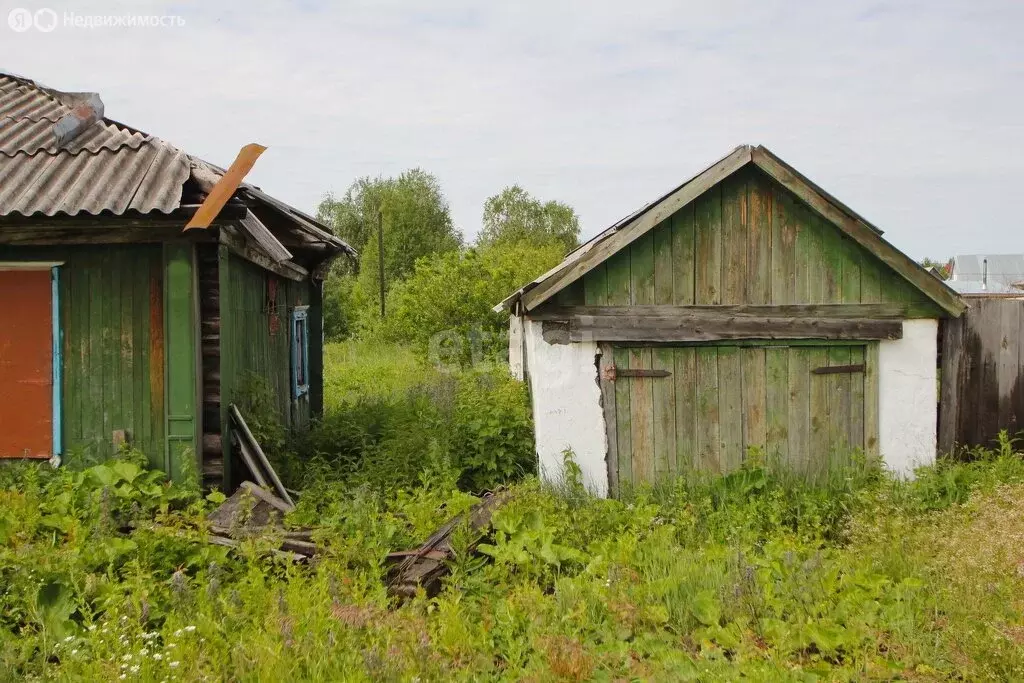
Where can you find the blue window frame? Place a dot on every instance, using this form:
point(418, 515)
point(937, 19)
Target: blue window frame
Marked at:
point(300, 351)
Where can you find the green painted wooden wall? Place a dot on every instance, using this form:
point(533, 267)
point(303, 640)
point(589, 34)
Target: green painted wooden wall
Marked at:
point(112, 319)
point(722, 400)
point(181, 350)
point(255, 339)
point(747, 240)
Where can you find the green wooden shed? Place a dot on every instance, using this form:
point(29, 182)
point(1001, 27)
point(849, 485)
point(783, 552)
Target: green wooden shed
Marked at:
point(118, 325)
point(746, 312)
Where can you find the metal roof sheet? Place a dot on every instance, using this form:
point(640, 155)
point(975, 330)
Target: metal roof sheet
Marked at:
point(1005, 269)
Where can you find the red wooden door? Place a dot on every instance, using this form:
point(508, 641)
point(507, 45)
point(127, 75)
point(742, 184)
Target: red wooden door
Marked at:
point(26, 364)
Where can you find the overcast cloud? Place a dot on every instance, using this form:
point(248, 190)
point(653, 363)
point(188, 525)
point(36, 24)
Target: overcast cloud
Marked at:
point(912, 113)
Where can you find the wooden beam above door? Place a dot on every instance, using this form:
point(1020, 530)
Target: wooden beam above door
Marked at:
point(706, 328)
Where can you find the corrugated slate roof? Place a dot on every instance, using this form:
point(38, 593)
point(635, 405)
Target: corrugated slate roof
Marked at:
point(106, 168)
point(109, 167)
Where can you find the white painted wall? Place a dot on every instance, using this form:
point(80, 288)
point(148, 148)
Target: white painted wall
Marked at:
point(567, 402)
point(566, 407)
point(907, 404)
point(516, 360)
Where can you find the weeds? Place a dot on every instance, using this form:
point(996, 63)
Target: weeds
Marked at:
point(105, 574)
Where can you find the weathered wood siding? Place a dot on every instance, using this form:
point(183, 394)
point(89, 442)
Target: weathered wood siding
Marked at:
point(747, 240)
point(719, 401)
point(982, 374)
point(255, 337)
point(112, 320)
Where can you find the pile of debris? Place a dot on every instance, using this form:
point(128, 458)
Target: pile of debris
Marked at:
point(426, 565)
point(254, 512)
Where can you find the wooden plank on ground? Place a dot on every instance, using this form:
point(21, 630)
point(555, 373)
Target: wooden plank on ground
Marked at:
point(641, 405)
point(685, 380)
point(663, 390)
point(708, 444)
point(755, 399)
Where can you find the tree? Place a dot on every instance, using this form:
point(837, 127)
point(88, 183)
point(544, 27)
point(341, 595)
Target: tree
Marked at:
point(444, 308)
point(944, 268)
point(513, 215)
point(416, 221)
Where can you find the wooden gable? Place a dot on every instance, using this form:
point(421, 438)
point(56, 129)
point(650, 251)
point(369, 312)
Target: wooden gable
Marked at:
point(746, 240)
point(753, 230)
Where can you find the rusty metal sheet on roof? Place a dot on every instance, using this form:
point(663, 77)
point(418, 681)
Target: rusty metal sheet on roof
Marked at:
point(108, 167)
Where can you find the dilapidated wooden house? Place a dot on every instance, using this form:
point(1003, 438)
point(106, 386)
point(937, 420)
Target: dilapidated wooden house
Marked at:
point(746, 311)
point(115, 324)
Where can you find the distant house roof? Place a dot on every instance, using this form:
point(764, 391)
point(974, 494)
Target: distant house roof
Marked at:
point(975, 287)
point(615, 238)
point(1004, 269)
point(107, 168)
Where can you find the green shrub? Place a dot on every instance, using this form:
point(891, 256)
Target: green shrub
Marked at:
point(470, 426)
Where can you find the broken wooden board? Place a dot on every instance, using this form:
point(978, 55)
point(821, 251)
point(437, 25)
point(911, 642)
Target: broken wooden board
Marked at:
point(254, 458)
point(424, 567)
point(251, 512)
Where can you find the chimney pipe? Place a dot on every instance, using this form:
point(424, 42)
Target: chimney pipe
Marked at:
point(984, 274)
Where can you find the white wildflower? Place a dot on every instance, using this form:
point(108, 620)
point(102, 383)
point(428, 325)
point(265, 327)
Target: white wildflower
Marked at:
point(174, 665)
point(123, 676)
point(172, 645)
point(127, 657)
point(69, 639)
point(177, 634)
point(190, 628)
point(92, 627)
point(74, 652)
point(157, 656)
point(135, 669)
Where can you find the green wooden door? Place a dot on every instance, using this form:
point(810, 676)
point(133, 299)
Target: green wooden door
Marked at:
point(710, 407)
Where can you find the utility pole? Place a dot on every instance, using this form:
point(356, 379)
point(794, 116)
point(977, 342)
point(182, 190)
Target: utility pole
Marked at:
point(380, 257)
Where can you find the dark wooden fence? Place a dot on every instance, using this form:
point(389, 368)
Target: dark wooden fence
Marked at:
point(982, 374)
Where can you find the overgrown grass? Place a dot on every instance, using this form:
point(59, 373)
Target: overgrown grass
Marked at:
point(393, 420)
point(104, 574)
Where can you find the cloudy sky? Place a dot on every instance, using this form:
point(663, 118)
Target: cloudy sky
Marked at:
point(910, 112)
